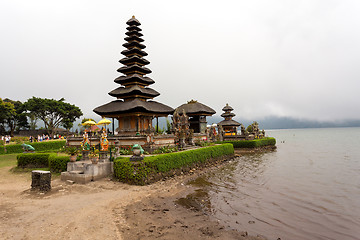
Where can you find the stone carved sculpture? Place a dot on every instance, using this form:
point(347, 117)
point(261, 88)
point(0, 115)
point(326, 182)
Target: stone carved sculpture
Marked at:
point(27, 147)
point(104, 143)
point(86, 143)
point(181, 129)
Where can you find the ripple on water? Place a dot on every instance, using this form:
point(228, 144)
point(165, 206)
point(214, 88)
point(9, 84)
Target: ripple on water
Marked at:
point(308, 189)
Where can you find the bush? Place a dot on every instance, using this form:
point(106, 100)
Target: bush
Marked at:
point(39, 147)
point(268, 141)
point(33, 160)
point(165, 149)
point(58, 163)
point(138, 172)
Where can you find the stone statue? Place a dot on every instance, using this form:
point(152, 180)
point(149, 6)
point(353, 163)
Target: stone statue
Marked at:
point(27, 147)
point(104, 143)
point(138, 152)
point(221, 133)
point(181, 129)
point(86, 143)
point(242, 130)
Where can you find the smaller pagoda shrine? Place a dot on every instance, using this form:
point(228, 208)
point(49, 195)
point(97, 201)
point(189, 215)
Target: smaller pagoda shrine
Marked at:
point(197, 113)
point(228, 126)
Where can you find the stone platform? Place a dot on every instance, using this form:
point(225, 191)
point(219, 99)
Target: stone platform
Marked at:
point(84, 171)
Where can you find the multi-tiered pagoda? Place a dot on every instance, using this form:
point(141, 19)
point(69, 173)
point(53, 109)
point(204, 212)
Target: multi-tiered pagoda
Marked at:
point(228, 124)
point(134, 108)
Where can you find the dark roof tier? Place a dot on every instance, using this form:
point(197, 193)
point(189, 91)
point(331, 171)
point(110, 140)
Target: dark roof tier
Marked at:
point(228, 115)
point(134, 33)
point(134, 44)
point(134, 79)
point(134, 51)
point(134, 91)
point(195, 108)
point(229, 123)
point(133, 28)
point(134, 69)
point(133, 22)
point(134, 60)
point(118, 107)
point(134, 38)
point(227, 108)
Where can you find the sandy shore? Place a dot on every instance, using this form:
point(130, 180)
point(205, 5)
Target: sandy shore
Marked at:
point(104, 209)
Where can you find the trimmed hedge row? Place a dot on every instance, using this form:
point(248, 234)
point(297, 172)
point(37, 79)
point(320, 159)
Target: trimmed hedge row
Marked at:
point(140, 172)
point(33, 160)
point(39, 146)
point(58, 163)
point(268, 141)
point(40, 160)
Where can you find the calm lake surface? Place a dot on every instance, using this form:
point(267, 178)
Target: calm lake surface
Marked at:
point(309, 188)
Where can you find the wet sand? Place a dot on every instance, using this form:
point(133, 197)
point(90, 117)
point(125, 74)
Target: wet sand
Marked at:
point(105, 209)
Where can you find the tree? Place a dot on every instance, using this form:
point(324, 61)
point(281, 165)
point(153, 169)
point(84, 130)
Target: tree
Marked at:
point(7, 110)
point(33, 121)
point(17, 120)
point(53, 113)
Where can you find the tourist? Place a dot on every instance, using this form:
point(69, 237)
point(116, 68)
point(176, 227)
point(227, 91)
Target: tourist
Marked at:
point(7, 139)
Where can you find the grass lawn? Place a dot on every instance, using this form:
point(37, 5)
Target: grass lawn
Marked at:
point(8, 160)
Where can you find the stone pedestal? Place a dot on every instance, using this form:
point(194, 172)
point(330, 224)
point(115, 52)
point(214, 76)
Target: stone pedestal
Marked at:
point(85, 155)
point(103, 156)
point(41, 180)
point(84, 171)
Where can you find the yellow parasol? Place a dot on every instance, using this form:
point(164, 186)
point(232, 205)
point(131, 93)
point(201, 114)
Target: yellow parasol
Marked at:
point(89, 123)
point(104, 122)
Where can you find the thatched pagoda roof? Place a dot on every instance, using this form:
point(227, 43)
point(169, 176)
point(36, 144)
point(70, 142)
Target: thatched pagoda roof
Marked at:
point(195, 108)
point(133, 51)
point(229, 123)
point(227, 108)
point(119, 107)
point(225, 114)
point(134, 59)
point(132, 69)
point(134, 32)
point(133, 22)
point(122, 92)
point(134, 79)
point(134, 37)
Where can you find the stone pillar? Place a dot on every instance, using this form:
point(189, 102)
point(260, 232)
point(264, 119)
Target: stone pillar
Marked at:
point(41, 180)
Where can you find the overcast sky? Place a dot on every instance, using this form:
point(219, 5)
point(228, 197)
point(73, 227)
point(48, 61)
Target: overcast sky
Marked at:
point(264, 57)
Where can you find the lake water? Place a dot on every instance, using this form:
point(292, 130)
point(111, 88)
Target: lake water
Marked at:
point(309, 188)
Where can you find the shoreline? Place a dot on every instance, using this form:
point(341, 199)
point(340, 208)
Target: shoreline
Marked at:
point(177, 215)
point(104, 209)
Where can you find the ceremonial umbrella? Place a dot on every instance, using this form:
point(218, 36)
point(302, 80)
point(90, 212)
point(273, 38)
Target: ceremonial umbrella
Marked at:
point(104, 122)
point(89, 123)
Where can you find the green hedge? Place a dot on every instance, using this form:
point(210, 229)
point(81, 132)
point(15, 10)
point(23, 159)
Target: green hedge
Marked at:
point(268, 141)
point(39, 147)
point(139, 172)
point(58, 163)
point(40, 160)
point(33, 160)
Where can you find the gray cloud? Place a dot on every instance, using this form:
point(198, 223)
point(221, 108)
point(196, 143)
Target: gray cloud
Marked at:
point(264, 58)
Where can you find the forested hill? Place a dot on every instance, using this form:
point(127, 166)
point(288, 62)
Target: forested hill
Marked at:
point(287, 122)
